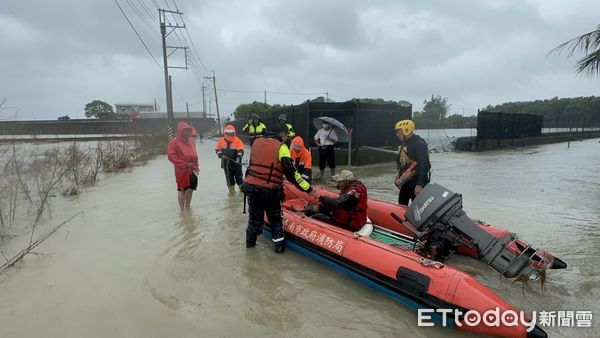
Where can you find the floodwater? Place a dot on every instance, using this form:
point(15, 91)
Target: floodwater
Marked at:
point(132, 266)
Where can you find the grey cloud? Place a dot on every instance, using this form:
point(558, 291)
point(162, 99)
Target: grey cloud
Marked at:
point(323, 23)
point(64, 53)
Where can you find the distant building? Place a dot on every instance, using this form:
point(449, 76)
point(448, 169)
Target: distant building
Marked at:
point(177, 115)
point(134, 110)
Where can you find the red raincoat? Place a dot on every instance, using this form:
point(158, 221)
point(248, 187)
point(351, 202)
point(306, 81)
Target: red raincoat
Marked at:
point(181, 151)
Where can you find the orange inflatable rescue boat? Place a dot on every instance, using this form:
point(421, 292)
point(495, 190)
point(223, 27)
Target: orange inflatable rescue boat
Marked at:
point(399, 254)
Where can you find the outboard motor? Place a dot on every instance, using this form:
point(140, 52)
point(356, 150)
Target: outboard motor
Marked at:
point(443, 226)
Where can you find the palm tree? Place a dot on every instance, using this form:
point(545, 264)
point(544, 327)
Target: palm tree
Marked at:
point(589, 44)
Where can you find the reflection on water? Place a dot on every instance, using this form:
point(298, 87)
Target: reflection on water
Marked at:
point(135, 266)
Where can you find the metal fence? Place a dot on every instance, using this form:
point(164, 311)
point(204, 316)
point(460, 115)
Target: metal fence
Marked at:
point(371, 124)
point(105, 127)
point(498, 125)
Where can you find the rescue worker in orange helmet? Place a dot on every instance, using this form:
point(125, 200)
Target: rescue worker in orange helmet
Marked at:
point(230, 149)
point(270, 160)
point(302, 158)
point(414, 168)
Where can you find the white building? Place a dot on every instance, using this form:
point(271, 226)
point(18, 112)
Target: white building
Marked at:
point(177, 115)
point(129, 109)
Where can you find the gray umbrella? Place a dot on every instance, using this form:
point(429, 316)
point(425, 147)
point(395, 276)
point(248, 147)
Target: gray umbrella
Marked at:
point(339, 127)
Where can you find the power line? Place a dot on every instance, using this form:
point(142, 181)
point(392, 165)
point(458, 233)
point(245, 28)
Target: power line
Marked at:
point(172, 14)
point(195, 50)
point(147, 10)
point(268, 92)
point(192, 62)
point(285, 93)
point(156, 4)
point(195, 71)
point(195, 55)
point(138, 35)
point(175, 4)
point(198, 74)
point(342, 97)
point(178, 94)
point(142, 17)
point(146, 47)
point(240, 91)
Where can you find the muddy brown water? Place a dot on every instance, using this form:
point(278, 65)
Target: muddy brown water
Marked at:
point(132, 266)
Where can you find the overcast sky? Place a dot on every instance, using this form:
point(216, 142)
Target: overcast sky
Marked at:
point(59, 55)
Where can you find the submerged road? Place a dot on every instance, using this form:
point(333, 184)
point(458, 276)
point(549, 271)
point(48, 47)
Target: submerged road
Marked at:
point(133, 266)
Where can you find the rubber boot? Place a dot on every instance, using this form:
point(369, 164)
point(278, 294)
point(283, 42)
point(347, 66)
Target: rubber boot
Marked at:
point(240, 188)
point(250, 240)
point(231, 189)
point(322, 176)
point(332, 171)
point(279, 247)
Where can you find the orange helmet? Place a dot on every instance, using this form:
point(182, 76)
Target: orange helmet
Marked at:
point(297, 144)
point(229, 130)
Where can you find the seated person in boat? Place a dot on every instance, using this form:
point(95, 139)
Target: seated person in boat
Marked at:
point(349, 209)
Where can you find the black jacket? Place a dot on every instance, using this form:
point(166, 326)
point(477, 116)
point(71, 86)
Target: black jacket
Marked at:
point(415, 149)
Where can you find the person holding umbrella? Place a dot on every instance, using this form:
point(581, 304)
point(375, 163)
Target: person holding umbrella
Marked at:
point(325, 138)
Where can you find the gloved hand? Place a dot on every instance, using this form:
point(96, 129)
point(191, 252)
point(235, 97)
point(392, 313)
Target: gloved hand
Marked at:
point(311, 210)
point(220, 155)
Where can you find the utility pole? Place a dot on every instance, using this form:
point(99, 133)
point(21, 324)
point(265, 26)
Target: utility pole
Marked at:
point(203, 102)
point(162, 18)
point(327, 93)
point(265, 96)
point(214, 81)
point(170, 104)
point(187, 107)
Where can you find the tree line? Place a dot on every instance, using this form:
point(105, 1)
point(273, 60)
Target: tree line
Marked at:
point(433, 115)
point(559, 113)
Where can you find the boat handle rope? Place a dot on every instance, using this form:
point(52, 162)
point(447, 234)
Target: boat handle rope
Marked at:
point(422, 260)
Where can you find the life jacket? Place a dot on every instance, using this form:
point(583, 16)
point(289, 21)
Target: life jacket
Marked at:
point(406, 154)
point(291, 132)
point(253, 130)
point(404, 161)
point(265, 169)
point(357, 217)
